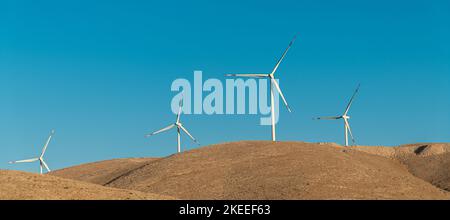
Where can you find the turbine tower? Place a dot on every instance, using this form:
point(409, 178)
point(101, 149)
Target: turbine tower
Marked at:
point(345, 116)
point(273, 84)
point(179, 127)
point(41, 157)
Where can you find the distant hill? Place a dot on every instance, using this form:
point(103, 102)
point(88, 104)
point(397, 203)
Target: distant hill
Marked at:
point(273, 170)
point(102, 172)
point(428, 161)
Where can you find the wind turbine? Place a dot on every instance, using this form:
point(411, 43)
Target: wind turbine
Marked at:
point(41, 157)
point(179, 127)
point(273, 83)
point(344, 116)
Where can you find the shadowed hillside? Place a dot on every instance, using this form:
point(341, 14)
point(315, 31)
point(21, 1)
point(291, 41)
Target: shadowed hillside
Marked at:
point(428, 161)
point(102, 172)
point(265, 170)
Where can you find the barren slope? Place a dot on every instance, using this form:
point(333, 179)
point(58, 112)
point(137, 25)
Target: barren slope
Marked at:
point(428, 161)
point(281, 170)
point(23, 185)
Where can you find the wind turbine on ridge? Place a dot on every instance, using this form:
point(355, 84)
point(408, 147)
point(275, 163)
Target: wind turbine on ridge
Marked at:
point(273, 83)
point(344, 116)
point(179, 127)
point(41, 157)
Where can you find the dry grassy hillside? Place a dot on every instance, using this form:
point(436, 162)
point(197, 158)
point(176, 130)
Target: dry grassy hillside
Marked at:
point(428, 161)
point(269, 170)
point(23, 185)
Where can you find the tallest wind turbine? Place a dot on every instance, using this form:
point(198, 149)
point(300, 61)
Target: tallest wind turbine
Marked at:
point(273, 83)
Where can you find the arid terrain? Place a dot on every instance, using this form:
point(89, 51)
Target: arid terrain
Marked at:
point(428, 161)
point(250, 170)
point(16, 185)
point(280, 170)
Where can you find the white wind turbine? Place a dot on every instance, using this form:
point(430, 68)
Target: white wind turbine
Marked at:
point(273, 83)
point(41, 157)
point(347, 128)
point(179, 126)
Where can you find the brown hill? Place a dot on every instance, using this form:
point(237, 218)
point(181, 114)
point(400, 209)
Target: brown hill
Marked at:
point(29, 186)
point(428, 161)
point(266, 170)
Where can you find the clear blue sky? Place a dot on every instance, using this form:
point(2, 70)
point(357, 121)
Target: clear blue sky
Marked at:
point(99, 72)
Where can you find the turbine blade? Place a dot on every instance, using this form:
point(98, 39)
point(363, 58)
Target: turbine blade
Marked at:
point(252, 75)
point(328, 118)
point(179, 110)
point(45, 165)
point(46, 143)
point(162, 130)
point(281, 94)
point(282, 57)
point(187, 132)
point(349, 130)
point(25, 161)
point(351, 100)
